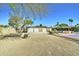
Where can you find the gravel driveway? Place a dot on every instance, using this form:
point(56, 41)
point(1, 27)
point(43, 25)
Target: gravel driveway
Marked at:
point(38, 44)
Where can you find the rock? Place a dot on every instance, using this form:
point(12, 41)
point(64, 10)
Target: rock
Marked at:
point(24, 35)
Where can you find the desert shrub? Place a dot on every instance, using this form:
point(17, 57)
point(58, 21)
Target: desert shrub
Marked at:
point(8, 30)
point(50, 32)
point(55, 31)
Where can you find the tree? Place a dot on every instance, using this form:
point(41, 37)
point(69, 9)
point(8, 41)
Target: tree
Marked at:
point(70, 20)
point(25, 22)
point(14, 21)
point(77, 25)
point(21, 10)
point(41, 25)
point(31, 10)
point(28, 21)
point(76, 28)
point(63, 25)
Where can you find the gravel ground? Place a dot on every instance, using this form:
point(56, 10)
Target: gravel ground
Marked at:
point(38, 44)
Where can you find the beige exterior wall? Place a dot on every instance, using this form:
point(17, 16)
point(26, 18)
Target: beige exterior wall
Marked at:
point(44, 30)
point(37, 29)
point(30, 29)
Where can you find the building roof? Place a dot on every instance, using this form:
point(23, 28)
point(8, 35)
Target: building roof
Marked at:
point(38, 27)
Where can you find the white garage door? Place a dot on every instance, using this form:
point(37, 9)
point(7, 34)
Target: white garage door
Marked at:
point(36, 30)
point(30, 29)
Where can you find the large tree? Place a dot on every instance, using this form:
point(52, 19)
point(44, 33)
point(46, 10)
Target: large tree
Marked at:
point(26, 22)
point(17, 22)
point(63, 25)
point(32, 10)
point(14, 21)
point(23, 10)
point(76, 28)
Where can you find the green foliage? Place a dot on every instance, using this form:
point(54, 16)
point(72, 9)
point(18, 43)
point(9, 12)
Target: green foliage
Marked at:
point(12, 5)
point(76, 28)
point(50, 32)
point(39, 9)
point(28, 21)
point(30, 9)
point(20, 11)
point(14, 21)
point(62, 25)
point(53, 32)
point(3, 25)
point(70, 20)
point(41, 25)
point(77, 25)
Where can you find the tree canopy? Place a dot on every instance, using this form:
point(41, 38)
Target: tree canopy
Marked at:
point(70, 20)
point(62, 25)
point(31, 10)
point(16, 22)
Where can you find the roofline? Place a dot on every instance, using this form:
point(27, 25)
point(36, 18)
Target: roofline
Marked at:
point(38, 27)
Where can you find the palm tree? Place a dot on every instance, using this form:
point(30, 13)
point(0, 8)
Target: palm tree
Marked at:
point(71, 21)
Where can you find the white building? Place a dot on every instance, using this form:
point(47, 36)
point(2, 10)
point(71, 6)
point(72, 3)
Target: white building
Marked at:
point(38, 29)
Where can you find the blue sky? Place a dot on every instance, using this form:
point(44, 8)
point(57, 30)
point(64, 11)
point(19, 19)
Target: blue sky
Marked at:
point(56, 13)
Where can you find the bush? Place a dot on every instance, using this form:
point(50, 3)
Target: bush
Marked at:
point(55, 31)
point(50, 32)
